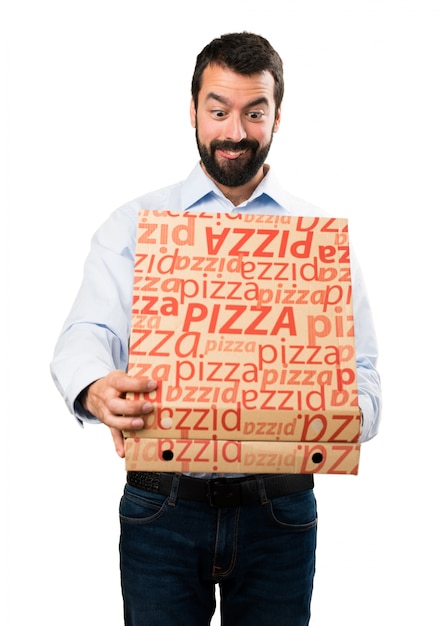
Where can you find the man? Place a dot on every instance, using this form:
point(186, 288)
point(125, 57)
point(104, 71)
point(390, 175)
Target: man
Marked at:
point(175, 546)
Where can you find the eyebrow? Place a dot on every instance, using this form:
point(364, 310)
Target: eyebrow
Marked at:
point(214, 96)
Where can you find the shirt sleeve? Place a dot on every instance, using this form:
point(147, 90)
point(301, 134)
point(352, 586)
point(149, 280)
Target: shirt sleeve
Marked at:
point(368, 379)
point(95, 337)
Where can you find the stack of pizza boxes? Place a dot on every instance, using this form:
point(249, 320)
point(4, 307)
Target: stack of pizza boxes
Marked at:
point(246, 322)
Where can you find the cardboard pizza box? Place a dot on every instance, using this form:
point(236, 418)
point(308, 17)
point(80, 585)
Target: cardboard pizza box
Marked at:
point(247, 323)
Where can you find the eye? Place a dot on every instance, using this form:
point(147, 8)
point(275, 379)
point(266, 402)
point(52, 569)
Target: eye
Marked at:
point(255, 115)
point(218, 114)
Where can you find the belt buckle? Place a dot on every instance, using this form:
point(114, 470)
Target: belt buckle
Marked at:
point(220, 493)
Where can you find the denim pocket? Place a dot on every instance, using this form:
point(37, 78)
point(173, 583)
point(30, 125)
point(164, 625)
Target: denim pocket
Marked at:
point(296, 511)
point(141, 507)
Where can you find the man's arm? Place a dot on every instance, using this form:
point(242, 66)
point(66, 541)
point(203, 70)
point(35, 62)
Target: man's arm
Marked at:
point(91, 355)
point(368, 379)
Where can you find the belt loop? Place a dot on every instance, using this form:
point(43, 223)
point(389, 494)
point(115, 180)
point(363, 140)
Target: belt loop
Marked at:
point(174, 490)
point(261, 489)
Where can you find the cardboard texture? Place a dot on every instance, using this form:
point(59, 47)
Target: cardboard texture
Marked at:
point(247, 457)
point(247, 322)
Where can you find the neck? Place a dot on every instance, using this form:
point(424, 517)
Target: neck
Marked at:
point(236, 196)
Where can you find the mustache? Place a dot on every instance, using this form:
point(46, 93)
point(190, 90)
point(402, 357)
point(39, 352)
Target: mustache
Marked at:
point(244, 144)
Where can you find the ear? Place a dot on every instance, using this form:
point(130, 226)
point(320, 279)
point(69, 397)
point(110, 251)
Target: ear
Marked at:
point(277, 121)
point(193, 113)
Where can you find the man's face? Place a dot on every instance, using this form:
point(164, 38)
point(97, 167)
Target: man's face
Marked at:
point(235, 121)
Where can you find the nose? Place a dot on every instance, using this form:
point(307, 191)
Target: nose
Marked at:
point(235, 129)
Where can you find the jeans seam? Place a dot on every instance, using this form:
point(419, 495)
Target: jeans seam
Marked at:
point(223, 574)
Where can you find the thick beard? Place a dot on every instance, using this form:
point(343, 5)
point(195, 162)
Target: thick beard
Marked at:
point(235, 172)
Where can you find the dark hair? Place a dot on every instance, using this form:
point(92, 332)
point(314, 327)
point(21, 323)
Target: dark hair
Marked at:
point(243, 53)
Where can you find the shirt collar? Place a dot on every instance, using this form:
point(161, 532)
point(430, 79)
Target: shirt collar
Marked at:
point(198, 185)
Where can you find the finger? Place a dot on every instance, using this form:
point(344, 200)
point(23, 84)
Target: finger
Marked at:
point(124, 383)
point(119, 442)
point(122, 422)
point(130, 408)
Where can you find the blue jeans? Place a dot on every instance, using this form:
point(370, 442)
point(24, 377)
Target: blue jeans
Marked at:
point(174, 551)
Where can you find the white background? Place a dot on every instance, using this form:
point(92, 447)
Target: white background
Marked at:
point(97, 113)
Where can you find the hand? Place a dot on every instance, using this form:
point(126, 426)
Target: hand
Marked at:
point(105, 399)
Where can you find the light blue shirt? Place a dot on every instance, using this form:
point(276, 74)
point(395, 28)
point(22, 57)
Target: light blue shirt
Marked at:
point(95, 337)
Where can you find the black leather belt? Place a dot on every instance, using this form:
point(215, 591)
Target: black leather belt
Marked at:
point(220, 492)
